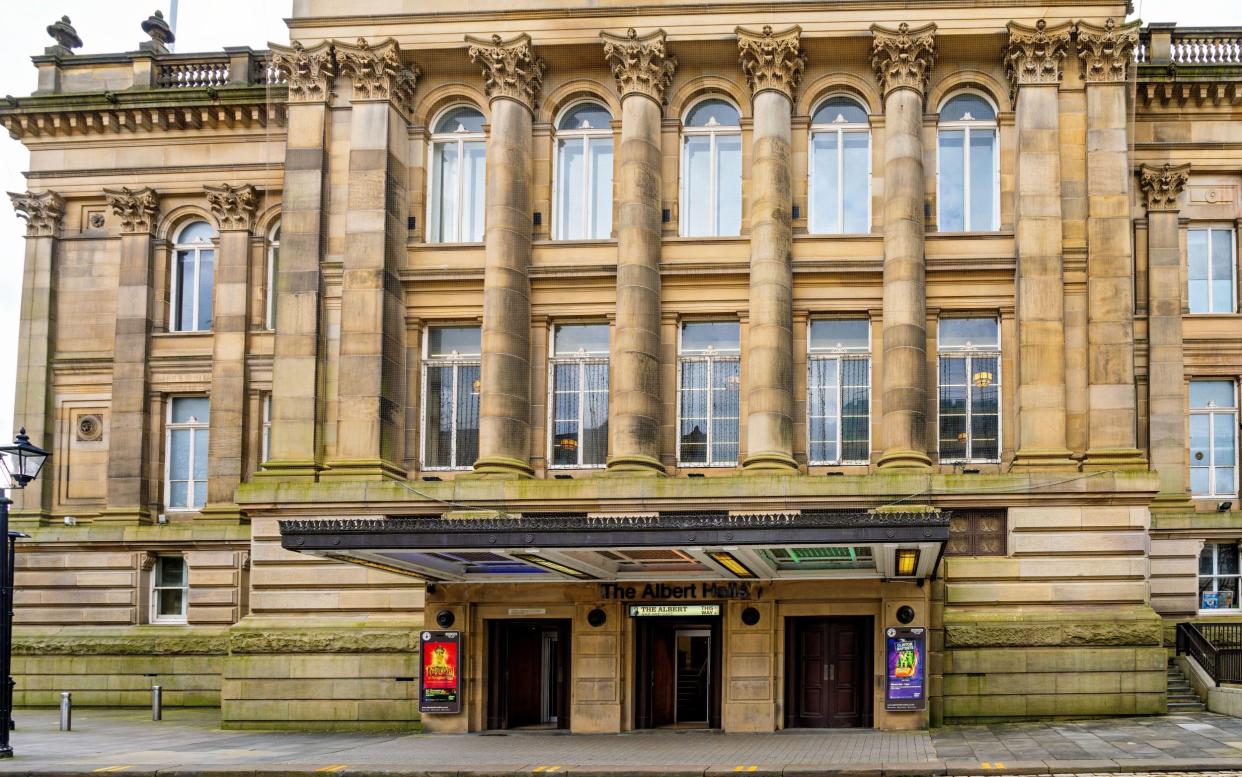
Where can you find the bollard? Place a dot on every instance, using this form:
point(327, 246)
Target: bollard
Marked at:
point(157, 702)
point(66, 711)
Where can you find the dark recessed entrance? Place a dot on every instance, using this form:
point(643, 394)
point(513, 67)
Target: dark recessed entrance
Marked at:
point(828, 663)
point(528, 674)
point(677, 675)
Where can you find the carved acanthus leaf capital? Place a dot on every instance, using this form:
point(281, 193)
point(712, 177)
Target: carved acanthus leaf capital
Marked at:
point(43, 212)
point(510, 68)
point(640, 64)
point(377, 71)
point(1035, 54)
point(903, 58)
point(136, 208)
point(308, 72)
point(1163, 185)
point(771, 60)
point(1107, 51)
point(234, 206)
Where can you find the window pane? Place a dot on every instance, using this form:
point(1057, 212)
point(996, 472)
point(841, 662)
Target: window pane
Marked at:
point(1200, 485)
point(436, 432)
point(825, 194)
point(444, 340)
point(1225, 484)
point(570, 164)
point(473, 191)
point(729, 184)
point(857, 187)
point(446, 185)
point(967, 107)
point(601, 188)
point(855, 409)
point(693, 412)
point(186, 409)
point(711, 112)
point(171, 571)
point(840, 334)
point(170, 602)
point(718, 335)
point(839, 110)
point(968, 332)
point(206, 288)
point(586, 116)
point(467, 415)
point(595, 414)
point(179, 494)
point(572, 338)
point(1206, 559)
point(697, 207)
point(461, 119)
point(1222, 271)
point(200, 493)
point(982, 180)
point(952, 190)
point(1197, 270)
point(822, 409)
point(1211, 393)
point(200, 455)
point(1226, 558)
point(179, 455)
point(184, 314)
point(565, 443)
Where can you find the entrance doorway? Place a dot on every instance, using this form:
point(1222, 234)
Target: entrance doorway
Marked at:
point(828, 664)
point(528, 674)
point(678, 673)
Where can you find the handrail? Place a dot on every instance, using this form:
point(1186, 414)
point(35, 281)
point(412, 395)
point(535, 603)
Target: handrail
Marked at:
point(1216, 647)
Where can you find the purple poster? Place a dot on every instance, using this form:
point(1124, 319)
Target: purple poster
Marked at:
point(906, 659)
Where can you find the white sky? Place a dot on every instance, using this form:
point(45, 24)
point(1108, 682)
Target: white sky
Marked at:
point(210, 25)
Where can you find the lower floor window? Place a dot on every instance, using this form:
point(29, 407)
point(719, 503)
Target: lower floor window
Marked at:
point(1218, 576)
point(168, 590)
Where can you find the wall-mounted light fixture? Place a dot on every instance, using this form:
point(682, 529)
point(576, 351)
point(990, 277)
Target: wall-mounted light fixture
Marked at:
point(731, 563)
point(907, 561)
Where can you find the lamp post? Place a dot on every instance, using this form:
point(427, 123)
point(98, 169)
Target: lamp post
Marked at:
point(20, 463)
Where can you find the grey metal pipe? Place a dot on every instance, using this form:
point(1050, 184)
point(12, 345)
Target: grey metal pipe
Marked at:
point(157, 702)
point(66, 711)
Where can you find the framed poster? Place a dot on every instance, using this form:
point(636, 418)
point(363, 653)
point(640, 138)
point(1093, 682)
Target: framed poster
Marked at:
point(439, 679)
point(905, 658)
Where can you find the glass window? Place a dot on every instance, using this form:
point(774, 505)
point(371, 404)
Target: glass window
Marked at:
point(1210, 255)
point(578, 398)
point(1213, 438)
point(451, 397)
point(169, 586)
point(711, 171)
point(708, 390)
point(968, 180)
point(584, 174)
point(185, 485)
point(193, 279)
point(273, 256)
point(458, 165)
point(840, 175)
point(1218, 576)
point(969, 389)
point(266, 443)
point(839, 392)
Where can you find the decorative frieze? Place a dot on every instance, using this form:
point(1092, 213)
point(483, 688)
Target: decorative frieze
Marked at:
point(1163, 185)
point(1035, 54)
point(308, 72)
point(771, 60)
point(903, 58)
point(1107, 51)
point(234, 206)
point(43, 212)
point(640, 64)
point(510, 68)
point(377, 71)
point(136, 208)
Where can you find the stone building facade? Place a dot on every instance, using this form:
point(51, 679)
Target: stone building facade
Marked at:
point(668, 355)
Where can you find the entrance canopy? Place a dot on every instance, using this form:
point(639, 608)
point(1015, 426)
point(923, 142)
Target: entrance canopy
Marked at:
point(547, 547)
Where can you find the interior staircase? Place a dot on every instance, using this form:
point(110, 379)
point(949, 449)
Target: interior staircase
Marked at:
point(1181, 697)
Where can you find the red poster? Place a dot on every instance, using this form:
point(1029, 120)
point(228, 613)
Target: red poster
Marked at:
point(440, 689)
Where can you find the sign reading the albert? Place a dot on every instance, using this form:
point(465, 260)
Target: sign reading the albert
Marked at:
point(906, 663)
point(705, 590)
point(439, 683)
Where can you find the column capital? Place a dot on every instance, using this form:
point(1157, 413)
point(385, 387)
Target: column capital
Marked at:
point(135, 207)
point(640, 64)
point(903, 58)
point(510, 68)
point(308, 72)
point(377, 71)
point(233, 206)
point(771, 60)
point(43, 212)
point(1034, 54)
point(1107, 51)
point(1163, 185)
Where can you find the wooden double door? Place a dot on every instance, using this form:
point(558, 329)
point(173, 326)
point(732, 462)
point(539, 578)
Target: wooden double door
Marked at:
point(528, 674)
point(828, 669)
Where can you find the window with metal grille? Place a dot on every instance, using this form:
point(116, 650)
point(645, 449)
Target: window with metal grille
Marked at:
point(709, 384)
point(451, 397)
point(839, 391)
point(578, 396)
point(978, 533)
point(969, 385)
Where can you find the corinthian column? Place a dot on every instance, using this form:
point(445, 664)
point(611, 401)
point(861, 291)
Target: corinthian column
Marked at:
point(643, 71)
point(513, 76)
point(902, 59)
point(1033, 62)
point(773, 63)
point(1112, 433)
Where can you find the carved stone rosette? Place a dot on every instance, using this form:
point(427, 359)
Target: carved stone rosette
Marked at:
point(640, 65)
point(234, 206)
point(903, 58)
point(308, 72)
point(377, 71)
point(1034, 54)
point(1107, 51)
point(1162, 185)
point(135, 207)
point(43, 212)
point(771, 60)
point(510, 68)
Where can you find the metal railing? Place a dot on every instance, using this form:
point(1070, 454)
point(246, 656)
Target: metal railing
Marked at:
point(1215, 647)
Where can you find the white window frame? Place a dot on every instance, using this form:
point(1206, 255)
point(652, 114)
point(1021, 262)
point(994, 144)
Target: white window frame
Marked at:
point(456, 361)
point(433, 201)
point(265, 449)
point(713, 131)
point(174, 318)
point(1237, 606)
point(841, 130)
point(839, 355)
point(1233, 266)
point(184, 588)
point(582, 358)
point(1214, 416)
point(273, 250)
point(195, 427)
point(711, 356)
point(971, 352)
point(978, 124)
point(585, 136)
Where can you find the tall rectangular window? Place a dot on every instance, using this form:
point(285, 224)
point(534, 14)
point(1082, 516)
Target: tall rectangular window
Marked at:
point(839, 391)
point(455, 203)
point(709, 386)
point(186, 453)
point(1211, 263)
point(968, 169)
point(451, 397)
point(1218, 576)
point(266, 443)
point(579, 396)
point(169, 589)
point(969, 383)
point(1213, 438)
point(193, 279)
point(840, 175)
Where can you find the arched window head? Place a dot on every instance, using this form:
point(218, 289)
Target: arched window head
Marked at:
point(276, 234)
point(839, 110)
point(583, 174)
point(194, 233)
point(711, 170)
point(460, 119)
point(840, 162)
point(273, 256)
point(713, 113)
point(967, 106)
point(968, 163)
point(193, 278)
point(585, 116)
point(458, 162)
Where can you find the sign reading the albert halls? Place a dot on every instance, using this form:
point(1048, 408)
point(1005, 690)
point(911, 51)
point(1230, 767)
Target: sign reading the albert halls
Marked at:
point(439, 681)
point(905, 658)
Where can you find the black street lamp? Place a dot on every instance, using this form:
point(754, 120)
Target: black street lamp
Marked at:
point(20, 463)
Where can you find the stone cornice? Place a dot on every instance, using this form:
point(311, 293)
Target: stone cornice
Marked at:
point(43, 212)
point(1107, 52)
point(377, 71)
point(771, 60)
point(135, 207)
point(1035, 54)
point(510, 68)
point(308, 72)
point(640, 64)
point(233, 206)
point(903, 58)
point(1163, 185)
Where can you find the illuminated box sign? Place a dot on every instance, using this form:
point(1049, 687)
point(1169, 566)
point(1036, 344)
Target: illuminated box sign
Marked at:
point(906, 667)
point(439, 681)
point(668, 610)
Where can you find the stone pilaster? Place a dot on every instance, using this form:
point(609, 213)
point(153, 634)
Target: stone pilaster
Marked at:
point(513, 76)
point(902, 59)
point(33, 405)
point(643, 70)
point(1033, 62)
point(1112, 440)
point(773, 64)
point(129, 421)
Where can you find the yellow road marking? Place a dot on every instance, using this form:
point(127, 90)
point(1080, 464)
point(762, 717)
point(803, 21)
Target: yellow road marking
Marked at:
point(1000, 765)
point(334, 768)
point(745, 768)
point(986, 765)
point(115, 768)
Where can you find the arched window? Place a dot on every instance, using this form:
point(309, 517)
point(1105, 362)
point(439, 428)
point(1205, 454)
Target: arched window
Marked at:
point(458, 159)
point(273, 255)
point(711, 170)
point(968, 179)
point(840, 176)
point(584, 173)
point(193, 276)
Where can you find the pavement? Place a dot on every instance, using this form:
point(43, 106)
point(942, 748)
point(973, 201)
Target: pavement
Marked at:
point(188, 743)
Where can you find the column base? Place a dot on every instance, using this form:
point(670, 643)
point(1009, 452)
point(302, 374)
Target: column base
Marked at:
point(290, 469)
point(769, 463)
point(1043, 458)
point(635, 465)
point(1113, 458)
point(363, 469)
point(501, 467)
point(904, 459)
point(124, 515)
point(223, 513)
